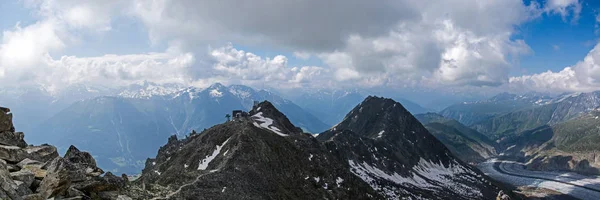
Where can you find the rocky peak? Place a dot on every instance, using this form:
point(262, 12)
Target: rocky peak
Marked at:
point(267, 116)
point(378, 117)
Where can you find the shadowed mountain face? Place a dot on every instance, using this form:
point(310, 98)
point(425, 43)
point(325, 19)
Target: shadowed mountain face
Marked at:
point(467, 144)
point(380, 151)
point(122, 132)
point(387, 147)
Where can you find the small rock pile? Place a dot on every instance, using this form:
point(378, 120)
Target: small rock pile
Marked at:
point(37, 172)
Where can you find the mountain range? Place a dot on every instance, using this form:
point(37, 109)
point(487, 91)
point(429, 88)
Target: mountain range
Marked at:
point(372, 154)
point(112, 127)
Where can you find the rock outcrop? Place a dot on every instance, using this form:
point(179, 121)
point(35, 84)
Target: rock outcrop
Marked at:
point(37, 172)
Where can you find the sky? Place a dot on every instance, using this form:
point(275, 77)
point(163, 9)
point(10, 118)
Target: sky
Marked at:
point(459, 47)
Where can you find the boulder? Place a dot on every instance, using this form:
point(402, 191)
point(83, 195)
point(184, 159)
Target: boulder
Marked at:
point(72, 192)
point(13, 139)
point(43, 153)
point(13, 168)
point(57, 180)
point(24, 176)
point(7, 185)
point(34, 167)
point(83, 160)
point(22, 189)
point(12, 153)
point(100, 184)
point(27, 161)
point(6, 120)
point(80, 157)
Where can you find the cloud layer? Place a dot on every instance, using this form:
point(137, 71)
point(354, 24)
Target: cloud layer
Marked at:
point(390, 43)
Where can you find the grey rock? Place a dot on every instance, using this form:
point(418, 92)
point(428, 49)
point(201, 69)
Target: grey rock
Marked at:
point(43, 153)
point(12, 153)
point(74, 155)
point(24, 176)
point(7, 185)
point(72, 192)
point(22, 189)
point(96, 185)
point(13, 139)
point(58, 178)
point(30, 162)
point(34, 167)
point(6, 120)
point(13, 168)
point(33, 197)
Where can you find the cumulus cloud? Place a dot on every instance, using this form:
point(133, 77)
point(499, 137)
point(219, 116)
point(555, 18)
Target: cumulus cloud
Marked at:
point(25, 51)
point(452, 43)
point(303, 25)
point(95, 15)
point(241, 67)
point(439, 43)
point(564, 8)
point(581, 77)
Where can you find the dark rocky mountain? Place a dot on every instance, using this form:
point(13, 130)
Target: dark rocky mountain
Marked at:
point(37, 172)
point(260, 157)
point(330, 106)
point(467, 144)
point(470, 113)
point(380, 151)
point(385, 146)
point(567, 146)
point(109, 127)
point(561, 109)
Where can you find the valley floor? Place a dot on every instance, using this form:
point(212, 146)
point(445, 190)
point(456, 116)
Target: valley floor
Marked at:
point(514, 173)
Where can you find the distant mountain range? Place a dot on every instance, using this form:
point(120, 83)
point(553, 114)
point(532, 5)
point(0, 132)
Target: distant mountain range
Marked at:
point(122, 131)
point(469, 113)
point(559, 133)
point(376, 152)
point(566, 146)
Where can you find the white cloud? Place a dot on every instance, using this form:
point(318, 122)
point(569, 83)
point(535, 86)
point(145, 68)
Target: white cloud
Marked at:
point(302, 55)
point(459, 43)
point(94, 15)
point(564, 8)
point(581, 77)
point(452, 43)
point(240, 67)
point(24, 47)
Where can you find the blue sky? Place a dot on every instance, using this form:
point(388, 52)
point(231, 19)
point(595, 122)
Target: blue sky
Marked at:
point(457, 47)
point(573, 39)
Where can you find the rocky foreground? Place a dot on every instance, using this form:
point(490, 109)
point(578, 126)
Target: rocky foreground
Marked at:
point(37, 172)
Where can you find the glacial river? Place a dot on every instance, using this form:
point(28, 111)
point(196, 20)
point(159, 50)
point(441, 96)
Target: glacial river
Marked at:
point(514, 173)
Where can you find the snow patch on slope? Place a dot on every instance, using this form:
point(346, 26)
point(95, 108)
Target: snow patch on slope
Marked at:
point(380, 134)
point(266, 123)
point(215, 93)
point(204, 163)
point(426, 175)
